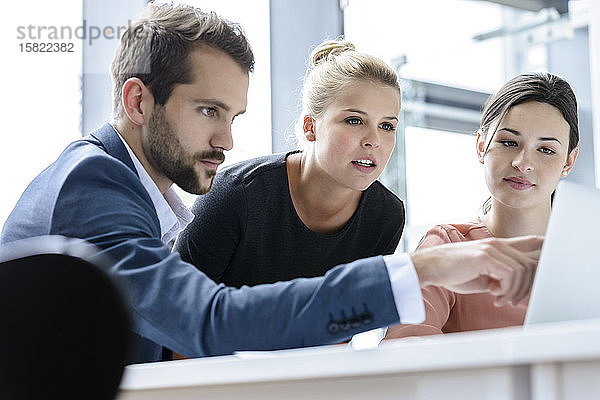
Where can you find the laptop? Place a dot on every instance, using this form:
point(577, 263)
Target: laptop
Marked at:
point(567, 281)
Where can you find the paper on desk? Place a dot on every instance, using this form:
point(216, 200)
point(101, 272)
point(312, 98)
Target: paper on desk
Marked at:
point(254, 354)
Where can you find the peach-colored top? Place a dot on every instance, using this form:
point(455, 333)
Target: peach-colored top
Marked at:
point(447, 311)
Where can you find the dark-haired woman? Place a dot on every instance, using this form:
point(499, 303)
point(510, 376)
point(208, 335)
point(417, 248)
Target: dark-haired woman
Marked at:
point(527, 141)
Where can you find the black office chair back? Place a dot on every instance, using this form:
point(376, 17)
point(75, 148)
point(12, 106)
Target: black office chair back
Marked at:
point(63, 324)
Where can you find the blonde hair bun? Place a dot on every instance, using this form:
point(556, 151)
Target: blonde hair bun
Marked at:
point(329, 49)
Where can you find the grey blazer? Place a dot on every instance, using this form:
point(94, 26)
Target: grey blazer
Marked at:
point(92, 192)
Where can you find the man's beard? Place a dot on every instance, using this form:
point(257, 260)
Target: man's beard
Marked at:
point(168, 155)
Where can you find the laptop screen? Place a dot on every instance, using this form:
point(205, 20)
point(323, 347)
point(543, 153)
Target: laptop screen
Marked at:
point(567, 282)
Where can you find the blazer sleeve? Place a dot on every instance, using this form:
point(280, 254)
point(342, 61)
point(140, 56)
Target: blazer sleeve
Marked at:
point(211, 239)
point(438, 301)
point(176, 305)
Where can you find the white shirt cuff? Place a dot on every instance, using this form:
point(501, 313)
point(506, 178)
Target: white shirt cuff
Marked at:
point(405, 288)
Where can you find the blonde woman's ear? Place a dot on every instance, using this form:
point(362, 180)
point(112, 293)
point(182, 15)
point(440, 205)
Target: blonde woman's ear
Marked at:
point(480, 146)
point(309, 128)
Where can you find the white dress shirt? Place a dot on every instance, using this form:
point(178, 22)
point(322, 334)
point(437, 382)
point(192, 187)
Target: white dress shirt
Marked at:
point(406, 288)
point(173, 215)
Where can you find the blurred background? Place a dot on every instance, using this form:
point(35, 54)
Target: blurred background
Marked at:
point(449, 54)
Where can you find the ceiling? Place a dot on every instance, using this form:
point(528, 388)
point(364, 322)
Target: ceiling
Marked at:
point(562, 6)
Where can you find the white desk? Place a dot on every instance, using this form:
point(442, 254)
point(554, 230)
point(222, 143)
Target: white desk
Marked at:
point(544, 362)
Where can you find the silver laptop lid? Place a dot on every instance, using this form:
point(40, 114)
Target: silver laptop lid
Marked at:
point(567, 282)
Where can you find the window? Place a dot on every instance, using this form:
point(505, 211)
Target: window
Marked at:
point(435, 36)
point(444, 179)
point(41, 100)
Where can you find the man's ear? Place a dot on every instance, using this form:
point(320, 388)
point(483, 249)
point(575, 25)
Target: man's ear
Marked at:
point(480, 144)
point(137, 101)
point(309, 128)
point(570, 162)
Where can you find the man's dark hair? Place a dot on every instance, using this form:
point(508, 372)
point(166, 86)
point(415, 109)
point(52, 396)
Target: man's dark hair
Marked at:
point(156, 48)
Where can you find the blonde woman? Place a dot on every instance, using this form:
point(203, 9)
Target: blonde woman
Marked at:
point(527, 142)
point(298, 214)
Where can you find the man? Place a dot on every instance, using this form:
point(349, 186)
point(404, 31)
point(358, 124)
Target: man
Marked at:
point(180, 78)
